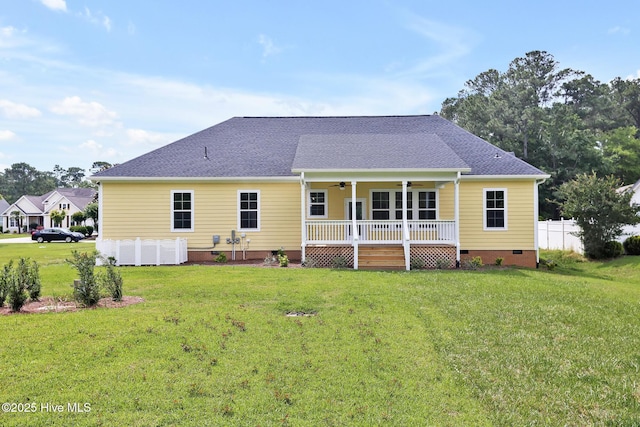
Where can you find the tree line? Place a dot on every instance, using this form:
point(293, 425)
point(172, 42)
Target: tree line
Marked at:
point(22, 178)
point(563, 121)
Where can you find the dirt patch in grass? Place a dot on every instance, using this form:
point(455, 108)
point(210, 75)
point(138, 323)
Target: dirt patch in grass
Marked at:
point(50, 304)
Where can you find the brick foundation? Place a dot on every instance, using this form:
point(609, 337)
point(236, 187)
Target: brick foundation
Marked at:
point(207, 256)
point(525, 259)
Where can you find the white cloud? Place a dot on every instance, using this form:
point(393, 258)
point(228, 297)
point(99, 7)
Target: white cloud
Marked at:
point(95, 150)
point(619, 30)
point(6, 135)
point(451, 43)
point(140, 136)
point(92, 114)
point(55, 4)
point(12, 110)
point(96, 18)
point(268, 47)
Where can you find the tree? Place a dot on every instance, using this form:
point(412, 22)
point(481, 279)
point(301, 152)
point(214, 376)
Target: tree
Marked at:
point(91, 211)
point(600, 210)
point(17, 217)
point(21, 179)
point(627, 93)
point(621, 149)
point(57, 217)
point(78, 217)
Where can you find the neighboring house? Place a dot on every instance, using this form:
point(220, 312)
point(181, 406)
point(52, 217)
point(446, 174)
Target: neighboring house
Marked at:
point(4, 205)
point(631, 230)
point(36, 210)
point(362, 191)
point(635, 189)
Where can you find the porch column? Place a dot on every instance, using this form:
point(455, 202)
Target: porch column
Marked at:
point(354, 224)
point(303, 214)
point(456, 208)
point(405, 228)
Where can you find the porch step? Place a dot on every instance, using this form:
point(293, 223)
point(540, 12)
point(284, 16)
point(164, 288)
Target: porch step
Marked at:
point(381, 258)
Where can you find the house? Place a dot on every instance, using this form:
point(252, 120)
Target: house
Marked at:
point(35, 211)
point(362, 191)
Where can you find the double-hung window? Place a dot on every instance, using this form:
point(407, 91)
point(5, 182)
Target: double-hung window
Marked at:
point(318, 203)
point(399, 205)
point(495, 209)
point(182, 210)
point(380, 205)
point(427, 205)
point(249, 210)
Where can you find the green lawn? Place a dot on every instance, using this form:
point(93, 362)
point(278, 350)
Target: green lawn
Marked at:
point(211, 346)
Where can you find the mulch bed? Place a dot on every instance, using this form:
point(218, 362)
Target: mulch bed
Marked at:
point(50, 304)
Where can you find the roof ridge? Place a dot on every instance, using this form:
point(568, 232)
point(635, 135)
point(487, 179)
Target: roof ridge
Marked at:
point(336, 117)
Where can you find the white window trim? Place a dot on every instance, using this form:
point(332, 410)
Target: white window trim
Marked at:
point(484, 210)
point(193, 212)
point(238, 206)
point(326, 203)
point(416, 203)
point(413, 193)
point(392, 203)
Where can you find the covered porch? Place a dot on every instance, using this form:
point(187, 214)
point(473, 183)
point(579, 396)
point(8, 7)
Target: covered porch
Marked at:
point(381, 221)
point(392, 190)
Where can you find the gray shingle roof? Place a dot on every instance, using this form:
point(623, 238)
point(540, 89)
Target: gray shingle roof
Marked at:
point(267, 147)
point(383, 151)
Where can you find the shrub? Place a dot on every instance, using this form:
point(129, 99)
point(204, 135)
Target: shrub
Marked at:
point(221, 258)
point(89, 230)
point(79, 229)
point(5, 281)
point(339, 262)
point(111, 280)
point(33, 284)
point(499, 261)
point(310, 262)
point(442, 264)
point(86, 290)
point(632, 245)
point(476, 261)
point(612, 249)
point(283, 260)
point(416, 263)
point(17, 294)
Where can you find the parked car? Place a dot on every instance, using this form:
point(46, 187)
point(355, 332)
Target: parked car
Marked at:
point(55, 233)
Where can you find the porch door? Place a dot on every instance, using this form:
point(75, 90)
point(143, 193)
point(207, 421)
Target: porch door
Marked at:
point(360, 215)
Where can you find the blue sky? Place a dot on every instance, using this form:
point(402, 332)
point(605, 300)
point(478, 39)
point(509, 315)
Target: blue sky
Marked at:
point(99, 80)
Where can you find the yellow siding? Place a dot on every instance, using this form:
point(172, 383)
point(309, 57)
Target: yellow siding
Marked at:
point(143, 210)
point(520, 216)
point(131, 210)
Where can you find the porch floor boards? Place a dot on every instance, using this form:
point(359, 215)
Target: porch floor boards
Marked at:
point(387, 257)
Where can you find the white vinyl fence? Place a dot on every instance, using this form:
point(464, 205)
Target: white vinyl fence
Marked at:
point(562, 235)
point(144, 252)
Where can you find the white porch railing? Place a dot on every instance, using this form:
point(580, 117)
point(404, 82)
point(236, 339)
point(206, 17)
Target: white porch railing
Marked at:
point(379, 231)
point(144, 252)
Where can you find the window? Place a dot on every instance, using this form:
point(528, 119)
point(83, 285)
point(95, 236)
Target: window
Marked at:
point(13, 221)
point(380, 205)
point(399, 205)
point(318, 203)
point(249, 210)
point(182, 211)
point(495, 209)
point(64, 206)
point(427, 205)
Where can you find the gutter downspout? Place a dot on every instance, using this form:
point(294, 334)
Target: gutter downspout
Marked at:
point(354, 225)
point(303, 214)
point(456, 214)
point(406, 243)
point(536, 214)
